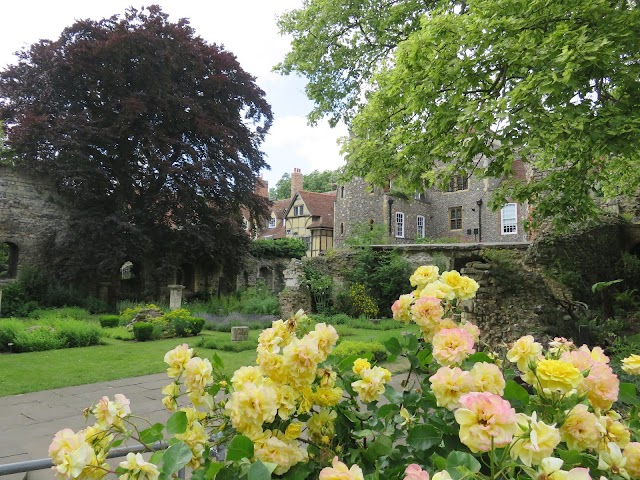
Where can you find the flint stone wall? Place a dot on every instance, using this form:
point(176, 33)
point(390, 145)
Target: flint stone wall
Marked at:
point(32, 215)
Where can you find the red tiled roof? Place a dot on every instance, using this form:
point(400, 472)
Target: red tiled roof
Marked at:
point(278, 207)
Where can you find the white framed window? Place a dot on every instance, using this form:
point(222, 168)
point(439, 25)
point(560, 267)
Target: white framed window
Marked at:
point(420, 226)
point(298, 210)
point(509, 219)
point(272, 222)
point(400, 225)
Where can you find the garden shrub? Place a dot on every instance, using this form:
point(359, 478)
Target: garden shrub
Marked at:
point(321, 288)
point(74, 313)
point(349, 348)
point(278, 248)
point(109, 321)
point(363, 304)
point(14, 301)
point(384, 274)
point(182, 323)
point(76, 333)
point(631, 269)
point(38, 338)
point(143, 331)
point(9, 328)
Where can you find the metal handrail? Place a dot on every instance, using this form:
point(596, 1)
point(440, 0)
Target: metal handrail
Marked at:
point(44, 463)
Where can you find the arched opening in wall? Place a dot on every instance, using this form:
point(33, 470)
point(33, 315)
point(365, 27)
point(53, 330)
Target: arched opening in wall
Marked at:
point(635, 250)
point(185, 275)
point(130, 280)
point(266, 274)
point(8, 260)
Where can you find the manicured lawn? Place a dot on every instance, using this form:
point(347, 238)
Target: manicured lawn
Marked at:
point(31, 372)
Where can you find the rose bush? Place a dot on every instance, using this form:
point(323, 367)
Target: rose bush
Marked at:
point(544, 413)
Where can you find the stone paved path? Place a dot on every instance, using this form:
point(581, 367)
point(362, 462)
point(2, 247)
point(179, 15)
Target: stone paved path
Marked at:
point(29, 421)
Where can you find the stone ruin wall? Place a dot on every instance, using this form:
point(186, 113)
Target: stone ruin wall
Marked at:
point(515, 298)
point(32, 215)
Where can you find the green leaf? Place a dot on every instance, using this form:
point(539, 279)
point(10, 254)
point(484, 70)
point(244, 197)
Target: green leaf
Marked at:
point(177, 423)
point(362, 433)
point(300, 471)
point(380, 447)
point(216, 361)
point(411, 342)
point(240, 447)
point(393, 395)
point(628, 394)
point(385, 410)
point(347, 363)
point(213, 470)
point(258, 471)
point(152, 434)
point(423, 437)
point(156, 458)
point(213, 389)
point(175, 457)
point(393, 346)
point(459, 464)
point(515, 392)
point(477, 358)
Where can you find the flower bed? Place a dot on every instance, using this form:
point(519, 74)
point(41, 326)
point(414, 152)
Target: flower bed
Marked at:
point(534, 412)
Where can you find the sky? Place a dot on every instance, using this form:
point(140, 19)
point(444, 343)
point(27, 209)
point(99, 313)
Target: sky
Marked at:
point(246, 28)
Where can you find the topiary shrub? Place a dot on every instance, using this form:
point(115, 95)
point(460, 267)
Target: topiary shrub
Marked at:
point(109, 321)
point(349, 348)
point(143, 331)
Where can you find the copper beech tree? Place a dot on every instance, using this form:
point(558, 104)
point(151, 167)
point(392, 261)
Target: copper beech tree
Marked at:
point(153, 133)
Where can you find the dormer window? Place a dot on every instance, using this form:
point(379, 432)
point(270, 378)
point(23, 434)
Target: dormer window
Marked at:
point(272, 223)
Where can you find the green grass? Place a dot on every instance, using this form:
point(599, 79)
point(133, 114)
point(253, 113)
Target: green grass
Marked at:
point(31, 372)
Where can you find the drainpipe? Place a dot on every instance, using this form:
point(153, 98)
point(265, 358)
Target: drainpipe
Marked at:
point(479, 203)
point(390, 201)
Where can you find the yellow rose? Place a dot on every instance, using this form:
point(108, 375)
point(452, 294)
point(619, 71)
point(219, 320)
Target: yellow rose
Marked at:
point(524, 351)
point(321, 424)
point(327, 397)
point(449, 384)
point(487, 377)
point(293, 430)
point(632, 454)
point(535, 440)
point(581, 429)
point(137, 468)
point(423, 275)
point(439, 290)
point(177, 359)
point(339, 471)
point(360, 364)
point(464, 288)
point(631, 364)
point(557, 376)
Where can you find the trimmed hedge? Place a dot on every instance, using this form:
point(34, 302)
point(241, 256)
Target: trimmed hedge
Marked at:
point(348, 348)
point(143, 331)
point(109, 321)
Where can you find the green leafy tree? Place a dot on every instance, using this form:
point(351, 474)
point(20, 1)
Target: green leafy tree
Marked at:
point(315, 181)
point(432, 88)
point(152, 133)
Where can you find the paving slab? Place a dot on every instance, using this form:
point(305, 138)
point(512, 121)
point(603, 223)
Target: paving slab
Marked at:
point(29, 421)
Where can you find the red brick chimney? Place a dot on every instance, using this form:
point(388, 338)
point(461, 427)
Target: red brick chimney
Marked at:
point(297, 180)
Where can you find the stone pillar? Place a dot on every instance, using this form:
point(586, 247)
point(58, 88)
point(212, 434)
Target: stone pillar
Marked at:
point(175, 296)
point(296, 294)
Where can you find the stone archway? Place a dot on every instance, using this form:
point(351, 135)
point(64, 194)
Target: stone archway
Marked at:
point(9, 253)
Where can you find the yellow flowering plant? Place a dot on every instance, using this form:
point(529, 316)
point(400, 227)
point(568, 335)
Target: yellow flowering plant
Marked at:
point(554, 412)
